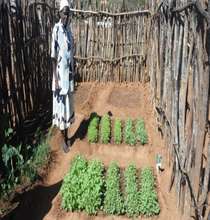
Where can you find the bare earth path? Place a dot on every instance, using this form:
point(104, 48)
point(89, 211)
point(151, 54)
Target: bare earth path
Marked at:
point(123, 101)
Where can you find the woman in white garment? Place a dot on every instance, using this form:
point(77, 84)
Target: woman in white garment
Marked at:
point(63, 73)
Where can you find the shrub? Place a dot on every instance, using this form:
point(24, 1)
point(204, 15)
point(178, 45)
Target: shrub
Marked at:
point(71, 189)
point(18, 167)
point(148, 197)
point(131, 192)
point(41, 154)
point(113, 203)
point(40, 157)
point(92, 187)
point(129, 135)
point(93, 129)
point(117, 131)
point(141, 133)
point(105, 129)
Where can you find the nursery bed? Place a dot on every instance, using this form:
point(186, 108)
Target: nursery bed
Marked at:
point(43, 201)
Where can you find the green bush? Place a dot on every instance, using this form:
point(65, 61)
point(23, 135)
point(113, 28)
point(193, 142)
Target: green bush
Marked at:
point(141, 133)
point(131, 192)
point(92, 187)
point(149, 205)
point(105, 129)
point(20, 168)
point(13, 166)
point(93, 129)
point(113, 203)
point(71, 189)
point(41, 154)
point(40, 157)
point(117, 131)
point(129, 135)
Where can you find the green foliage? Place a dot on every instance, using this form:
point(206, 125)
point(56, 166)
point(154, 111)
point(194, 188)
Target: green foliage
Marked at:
point(13, 163)
point(131, 192)
point(141, 133)
point(71, 189)
point(148, 197)
point(83, 188)
point(39, 158)
point(92, 187)
point(129, 135)
point(19, 167)
point(93, 129)
point(117, 131)
point(105, 129)
point(41, 154)
point(113, 203)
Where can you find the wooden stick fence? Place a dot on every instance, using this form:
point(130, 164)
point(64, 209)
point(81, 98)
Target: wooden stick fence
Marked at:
point(171, 46)
point(110, 46)
point(178, 63)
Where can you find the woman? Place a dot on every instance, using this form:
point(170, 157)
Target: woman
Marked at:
point(63, 73)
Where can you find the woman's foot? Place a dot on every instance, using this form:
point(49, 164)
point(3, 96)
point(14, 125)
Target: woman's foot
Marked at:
point(69, 142)
point(65, 147)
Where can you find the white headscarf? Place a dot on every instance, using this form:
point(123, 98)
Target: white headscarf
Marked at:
point(64, 3)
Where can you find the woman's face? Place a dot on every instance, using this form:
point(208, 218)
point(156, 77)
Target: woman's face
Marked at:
point(65, 15)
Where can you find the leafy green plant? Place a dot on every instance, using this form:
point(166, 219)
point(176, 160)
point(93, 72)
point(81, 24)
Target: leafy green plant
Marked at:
point(131, 192)
point(105, 129)
point(41, 154)
point(39, 158)
point(117, 131)
point(129, 135)
point(21, 163)
point(113, 203)
point(93, 129)
point(141, 133)
point(71, 189)
point(13, 163)
point(92, 187)
point(148, 197)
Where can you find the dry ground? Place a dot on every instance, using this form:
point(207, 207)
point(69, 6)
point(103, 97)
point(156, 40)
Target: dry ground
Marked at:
point(123, 101)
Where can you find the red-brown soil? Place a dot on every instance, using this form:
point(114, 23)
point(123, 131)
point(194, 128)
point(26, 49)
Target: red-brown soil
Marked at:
point(123, 101)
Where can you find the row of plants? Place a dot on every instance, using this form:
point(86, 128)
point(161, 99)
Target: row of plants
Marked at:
point(132, 132)
point(93, 129)
point(82, 187)
point(87, 187)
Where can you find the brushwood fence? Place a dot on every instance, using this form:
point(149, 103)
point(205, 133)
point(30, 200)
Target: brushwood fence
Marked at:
point(168, 45)
point(109, 47)
point(25, 70)
point(178, 63)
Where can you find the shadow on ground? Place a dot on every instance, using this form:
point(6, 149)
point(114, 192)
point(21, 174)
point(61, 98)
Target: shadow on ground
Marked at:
point(34, 204)
point(81, 132)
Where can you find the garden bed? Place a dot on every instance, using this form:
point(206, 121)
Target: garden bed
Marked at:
point(89, 187)
point(43, 202)
point(105, 130)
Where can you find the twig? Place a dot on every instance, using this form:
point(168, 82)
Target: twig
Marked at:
point(185, 173)
point(107, 60)
point(180, 9)
point(99, 13)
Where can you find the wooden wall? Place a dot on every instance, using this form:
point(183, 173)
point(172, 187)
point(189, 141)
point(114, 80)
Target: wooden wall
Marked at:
point(25, 67)
point(178, 65)
point(111, 46)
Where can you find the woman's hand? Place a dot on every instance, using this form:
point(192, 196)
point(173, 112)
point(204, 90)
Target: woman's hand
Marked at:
point(56, 84)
